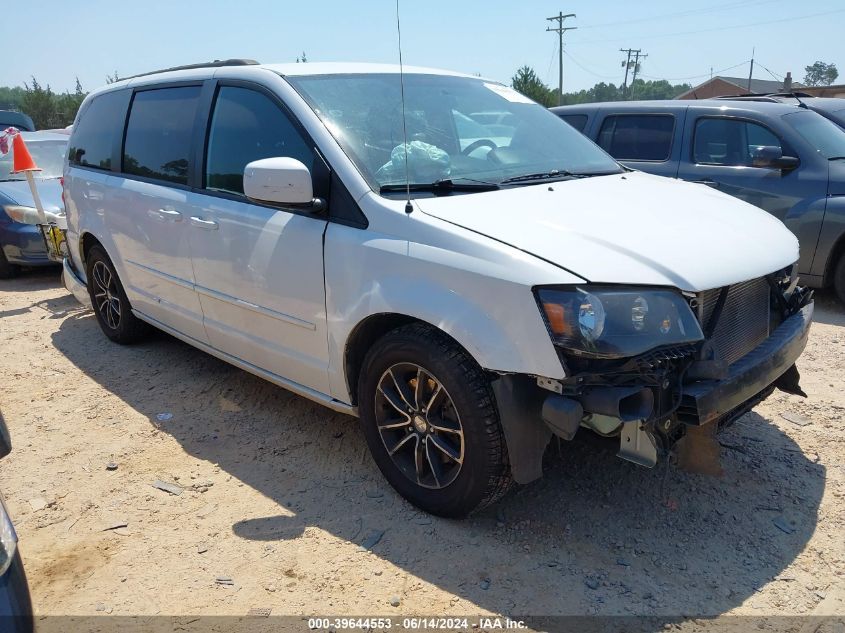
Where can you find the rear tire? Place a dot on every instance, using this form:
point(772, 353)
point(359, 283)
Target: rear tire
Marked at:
point(7, 270)
point(430, 420)
point(839, 278)
point(113, 310)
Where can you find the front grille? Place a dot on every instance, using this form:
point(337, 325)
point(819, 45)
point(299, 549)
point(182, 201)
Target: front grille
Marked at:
point(744, 321)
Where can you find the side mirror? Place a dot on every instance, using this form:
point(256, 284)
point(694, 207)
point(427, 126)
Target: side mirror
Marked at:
point(771, 156)
point(284, 181)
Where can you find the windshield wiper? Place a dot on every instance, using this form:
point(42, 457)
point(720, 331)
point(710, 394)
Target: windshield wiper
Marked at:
point(837, 158)
point(545, 175)
point(444, 185)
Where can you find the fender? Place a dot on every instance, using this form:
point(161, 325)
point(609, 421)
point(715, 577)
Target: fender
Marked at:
point(449, 287)
point(831, 238)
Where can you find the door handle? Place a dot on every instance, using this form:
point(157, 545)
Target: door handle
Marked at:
point(165, 214)
point(709, 183)
point(208, 225)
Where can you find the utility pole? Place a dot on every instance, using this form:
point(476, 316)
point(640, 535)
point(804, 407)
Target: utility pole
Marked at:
point(627, 65)
point(751, 70)
point(560, 30)
point(637, 55)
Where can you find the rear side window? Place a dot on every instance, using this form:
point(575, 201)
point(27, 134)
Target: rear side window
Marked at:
point(723, 141)
point(638, 136)
point(578, 121)
point(158, 134)
point(94, 134)
point(247, 126)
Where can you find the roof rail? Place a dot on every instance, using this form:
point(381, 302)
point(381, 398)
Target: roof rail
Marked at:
point(217, 63)
point(796, 94)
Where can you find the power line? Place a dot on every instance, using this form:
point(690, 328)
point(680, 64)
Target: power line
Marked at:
point(707, 74)
point(688, 12)
point(560, 30)
point(719, 28)
point(585, 69)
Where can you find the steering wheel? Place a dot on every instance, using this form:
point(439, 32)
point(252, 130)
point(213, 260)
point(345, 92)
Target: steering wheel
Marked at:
point(482, 142)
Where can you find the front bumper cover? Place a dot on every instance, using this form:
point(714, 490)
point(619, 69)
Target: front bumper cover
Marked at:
point(74, 284)
point(708, 400)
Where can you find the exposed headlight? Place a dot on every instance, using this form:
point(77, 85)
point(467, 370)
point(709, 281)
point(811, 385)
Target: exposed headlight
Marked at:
point(8, 539)
point(616, 322)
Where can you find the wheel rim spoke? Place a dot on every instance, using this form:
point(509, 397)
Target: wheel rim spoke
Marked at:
point(395, 401)
point(401, 390)
point(443, 446)
point(419, 459)
point(419, 425)
point(434, 464)
point(402, 442)
point(105, 295)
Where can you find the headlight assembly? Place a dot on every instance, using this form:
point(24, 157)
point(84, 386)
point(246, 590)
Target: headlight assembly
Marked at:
point(18, 213)
point(616, 322)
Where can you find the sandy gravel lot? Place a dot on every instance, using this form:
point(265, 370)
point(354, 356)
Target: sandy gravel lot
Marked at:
point(282, 508)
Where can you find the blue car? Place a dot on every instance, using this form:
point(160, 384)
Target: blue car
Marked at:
point(15, 603)
point(21, 243)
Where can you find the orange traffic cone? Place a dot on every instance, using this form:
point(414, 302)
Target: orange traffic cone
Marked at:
point(22, 159)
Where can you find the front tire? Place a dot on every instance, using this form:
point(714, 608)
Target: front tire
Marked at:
point(430, 420)
point(114, 313)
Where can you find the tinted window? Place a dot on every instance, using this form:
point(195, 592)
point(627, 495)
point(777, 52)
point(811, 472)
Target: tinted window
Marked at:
point(94, 134)
point(638, 137)
point(247, 126)
point(578, 121)
point(827, 139)
point(158, 134)
point(729, 141)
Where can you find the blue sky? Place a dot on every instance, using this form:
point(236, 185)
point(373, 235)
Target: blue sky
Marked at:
point(94, 38)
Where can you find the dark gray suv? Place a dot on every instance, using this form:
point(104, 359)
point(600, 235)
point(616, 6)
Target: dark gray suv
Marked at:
point(783, 158)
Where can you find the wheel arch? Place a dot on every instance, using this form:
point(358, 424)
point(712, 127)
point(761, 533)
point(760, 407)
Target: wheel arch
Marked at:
point(364, 335)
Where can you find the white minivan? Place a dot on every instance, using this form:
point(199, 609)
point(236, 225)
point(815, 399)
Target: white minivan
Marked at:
point(353, 234)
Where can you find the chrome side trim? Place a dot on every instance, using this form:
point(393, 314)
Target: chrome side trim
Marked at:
point(157, 273)
point(281, 316)
point(295, 387)
point(214, 294)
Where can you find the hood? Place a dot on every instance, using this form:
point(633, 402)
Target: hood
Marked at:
point(630, 228)
point(49, 190)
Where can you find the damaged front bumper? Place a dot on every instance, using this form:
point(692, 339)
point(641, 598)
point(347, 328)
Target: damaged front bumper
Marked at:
point(710, 400)
point(530, 414)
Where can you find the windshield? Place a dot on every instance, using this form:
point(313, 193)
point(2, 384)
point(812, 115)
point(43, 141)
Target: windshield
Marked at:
point(458, 128)
point(825, 136)
point(48, 155)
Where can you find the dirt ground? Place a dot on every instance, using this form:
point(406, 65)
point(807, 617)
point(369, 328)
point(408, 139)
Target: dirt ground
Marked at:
point(282, 508)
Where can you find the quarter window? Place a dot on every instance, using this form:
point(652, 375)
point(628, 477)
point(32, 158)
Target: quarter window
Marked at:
point(638, 137)
point(158, 134)
point(730, 142)
point(94, 134)
point(247, 126)
point(578, 121)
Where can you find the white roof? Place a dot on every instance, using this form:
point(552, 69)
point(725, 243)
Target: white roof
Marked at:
point(338, 68)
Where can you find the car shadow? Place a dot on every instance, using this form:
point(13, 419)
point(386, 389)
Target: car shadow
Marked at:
point(34, 278)
point(597, 535)
point(828, 309)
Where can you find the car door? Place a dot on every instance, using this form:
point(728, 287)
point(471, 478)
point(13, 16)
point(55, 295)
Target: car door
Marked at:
point(642, 140)
point(720, 156)
point(148, 207)
point(259, 268)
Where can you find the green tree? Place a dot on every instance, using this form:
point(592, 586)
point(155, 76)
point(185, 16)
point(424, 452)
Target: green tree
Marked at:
point(40, 104)
point(528, 83)
point(820, 74)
